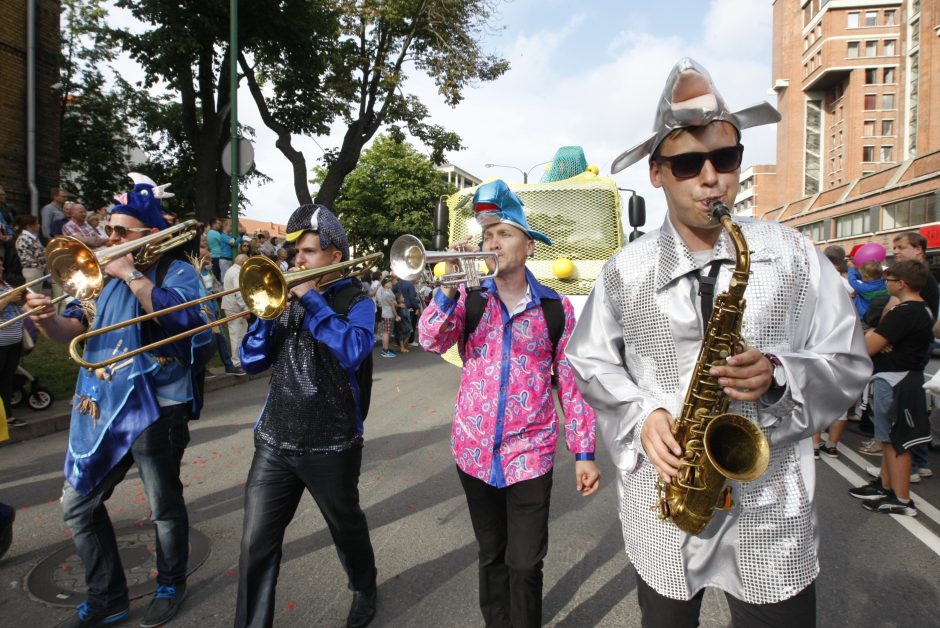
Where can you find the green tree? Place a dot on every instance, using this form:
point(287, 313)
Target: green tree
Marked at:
point(392, 191)
point(94, 115)
point(351, 64)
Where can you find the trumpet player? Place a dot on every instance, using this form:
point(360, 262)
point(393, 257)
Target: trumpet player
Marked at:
point(505, 425)
point(635, 351)
point(135, 411)
point(309, 434)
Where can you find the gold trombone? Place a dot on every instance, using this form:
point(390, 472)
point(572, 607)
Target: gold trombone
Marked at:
point(79, 270)
point(408, 258)
point(264, 287)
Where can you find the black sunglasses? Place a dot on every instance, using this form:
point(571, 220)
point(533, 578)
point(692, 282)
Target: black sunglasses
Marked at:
point(688, 165)
point(122, 231)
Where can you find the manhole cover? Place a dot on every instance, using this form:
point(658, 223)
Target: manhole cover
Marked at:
point(59, 580)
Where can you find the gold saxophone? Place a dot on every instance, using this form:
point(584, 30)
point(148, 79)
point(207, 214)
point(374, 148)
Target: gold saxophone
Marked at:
point(715, 444)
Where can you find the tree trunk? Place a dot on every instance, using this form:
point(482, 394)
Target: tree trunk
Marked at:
point(344, 163)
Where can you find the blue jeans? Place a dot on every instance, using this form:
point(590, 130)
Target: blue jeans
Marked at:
point(157, 451)
point(919, 457)
point(882, 396)
point(225, 352)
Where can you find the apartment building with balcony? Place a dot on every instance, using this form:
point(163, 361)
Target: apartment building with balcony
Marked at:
point(858, 149)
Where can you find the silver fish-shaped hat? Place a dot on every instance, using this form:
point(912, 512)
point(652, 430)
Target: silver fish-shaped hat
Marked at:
point(691, 99)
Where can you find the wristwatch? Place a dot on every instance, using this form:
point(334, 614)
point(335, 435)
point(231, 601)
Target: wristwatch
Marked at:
point(133, 276)
point(780, 375)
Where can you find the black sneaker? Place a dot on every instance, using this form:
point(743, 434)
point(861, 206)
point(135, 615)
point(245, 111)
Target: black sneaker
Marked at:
point(830, 450)
point(236, 371)
point(891, 505)
point(88, 617)
point(872, 490)
point(815, 453)
point(164, 605)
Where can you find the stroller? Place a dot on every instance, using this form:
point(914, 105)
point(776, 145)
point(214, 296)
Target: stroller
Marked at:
point(25, 386)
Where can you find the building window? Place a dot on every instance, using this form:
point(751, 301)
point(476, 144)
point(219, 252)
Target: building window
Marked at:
point(871, 102)
point(868, 153)
point(852, 50)
point(871, 18)
point(853, 19)
point(887, 127)
point(891, 17)
point(911, 212)
point(814, 231)
point(813, 168)
point(887, 154)
point(853, 224)
point(871, 48)
point(871, 76)
point(891, 47)
point(888, 101)
point(889, 75)
point(915, 33)
point(868, 128)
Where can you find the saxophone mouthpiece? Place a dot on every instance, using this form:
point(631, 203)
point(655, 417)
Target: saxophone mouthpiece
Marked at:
point(718, 209)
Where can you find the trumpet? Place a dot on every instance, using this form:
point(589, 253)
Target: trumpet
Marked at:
point(79, 270)
point(263, 286)
point(409, 257)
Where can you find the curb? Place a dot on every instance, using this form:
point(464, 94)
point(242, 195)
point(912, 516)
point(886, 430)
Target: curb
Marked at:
point(58, 417)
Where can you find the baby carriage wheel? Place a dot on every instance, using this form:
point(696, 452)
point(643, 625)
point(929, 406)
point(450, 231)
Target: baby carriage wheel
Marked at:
point(39, 398)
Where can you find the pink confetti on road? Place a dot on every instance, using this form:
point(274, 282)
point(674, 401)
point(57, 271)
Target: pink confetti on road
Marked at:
point(232, 572)
point(291, 605)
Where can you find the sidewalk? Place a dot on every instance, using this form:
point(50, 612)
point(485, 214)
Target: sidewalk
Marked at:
point(57, 417)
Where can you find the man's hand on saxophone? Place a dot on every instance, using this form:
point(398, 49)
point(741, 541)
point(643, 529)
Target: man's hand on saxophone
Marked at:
point(746, 376)
point(660, 445)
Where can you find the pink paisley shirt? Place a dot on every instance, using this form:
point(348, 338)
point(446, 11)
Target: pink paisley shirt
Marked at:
point(505, 426)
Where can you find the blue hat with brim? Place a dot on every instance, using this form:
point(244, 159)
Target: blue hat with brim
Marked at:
point(495, 203)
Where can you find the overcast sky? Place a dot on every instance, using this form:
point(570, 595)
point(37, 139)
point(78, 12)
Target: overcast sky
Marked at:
point(589, 76)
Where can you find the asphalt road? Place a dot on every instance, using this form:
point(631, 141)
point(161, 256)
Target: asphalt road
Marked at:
point(877, 570)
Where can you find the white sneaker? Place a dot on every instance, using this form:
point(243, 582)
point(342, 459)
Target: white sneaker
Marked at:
point(915, 475)
point(925, 473)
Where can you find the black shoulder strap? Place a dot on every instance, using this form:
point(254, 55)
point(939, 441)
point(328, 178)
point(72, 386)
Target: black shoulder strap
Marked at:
point(345, 298)
point(475, 304)
point(555, 319)
point(163, 267)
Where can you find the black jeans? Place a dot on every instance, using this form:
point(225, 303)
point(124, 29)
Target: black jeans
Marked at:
point(9, 360)
point(660, 611)
point(275, 485)
point(158, 452)
point(511, 528)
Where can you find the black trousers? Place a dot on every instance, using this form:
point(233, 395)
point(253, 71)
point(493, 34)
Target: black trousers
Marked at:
point(660, 611)
point(9, 359)
point(511, 528)
point(275, 485)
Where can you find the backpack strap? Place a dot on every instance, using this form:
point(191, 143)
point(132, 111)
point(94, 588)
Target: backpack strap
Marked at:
point(474, 304)
point(555, 319)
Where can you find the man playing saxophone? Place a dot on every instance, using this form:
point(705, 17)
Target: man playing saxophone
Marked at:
point(796, 363)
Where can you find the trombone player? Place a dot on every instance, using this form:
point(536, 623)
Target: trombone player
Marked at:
point(309, 434)
point(135, 411)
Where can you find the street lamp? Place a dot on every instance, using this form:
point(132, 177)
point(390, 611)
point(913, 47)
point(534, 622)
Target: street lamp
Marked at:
point(525, 173)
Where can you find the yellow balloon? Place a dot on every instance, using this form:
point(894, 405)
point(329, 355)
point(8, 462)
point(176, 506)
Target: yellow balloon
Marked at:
point(562, 267)
point(439, 269)
point(593, 169)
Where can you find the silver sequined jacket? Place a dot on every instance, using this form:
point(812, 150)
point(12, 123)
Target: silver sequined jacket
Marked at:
point(633, 351)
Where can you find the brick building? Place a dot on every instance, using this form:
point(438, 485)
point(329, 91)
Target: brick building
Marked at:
point(13, 99)
point(858, 149)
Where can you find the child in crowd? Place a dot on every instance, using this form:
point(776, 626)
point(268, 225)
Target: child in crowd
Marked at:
point(403, 326)
point(868, 284)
